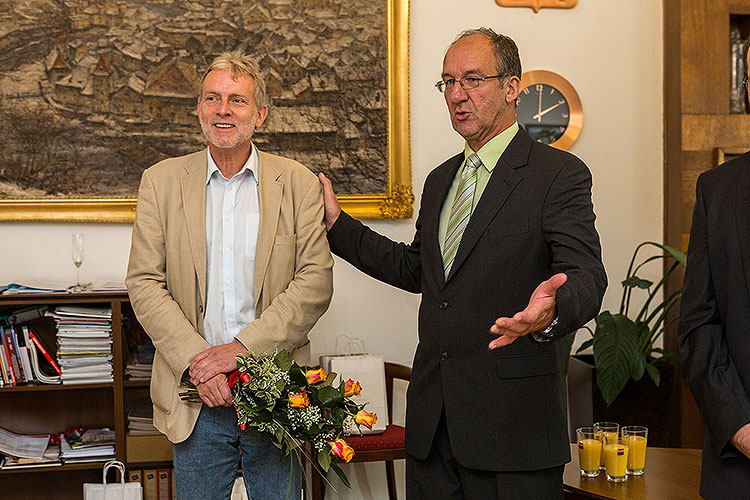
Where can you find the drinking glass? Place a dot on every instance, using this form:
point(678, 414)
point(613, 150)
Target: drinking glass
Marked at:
point(615, 458)
point(589, 451)
point(77, 252)
point(608, 433)
point(636, 437)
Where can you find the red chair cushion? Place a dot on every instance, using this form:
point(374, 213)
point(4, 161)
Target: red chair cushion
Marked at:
point(393, 437)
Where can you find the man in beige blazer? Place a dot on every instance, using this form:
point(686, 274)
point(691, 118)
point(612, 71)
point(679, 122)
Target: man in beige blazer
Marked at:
point(206, 288)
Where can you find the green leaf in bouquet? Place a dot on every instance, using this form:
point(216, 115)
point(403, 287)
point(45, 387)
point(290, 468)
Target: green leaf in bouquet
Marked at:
point(324, 460)
point(338, 415)
point(330, 377)
point(329, 396)
point(283, 360)
point(340, 474)
point(297, 376)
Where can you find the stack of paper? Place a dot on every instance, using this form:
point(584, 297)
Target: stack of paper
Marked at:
point(141, 420)
point(75, 448)
point(84, 344)
point(140, 362)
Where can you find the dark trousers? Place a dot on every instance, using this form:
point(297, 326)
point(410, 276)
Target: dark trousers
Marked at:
point(441, 477)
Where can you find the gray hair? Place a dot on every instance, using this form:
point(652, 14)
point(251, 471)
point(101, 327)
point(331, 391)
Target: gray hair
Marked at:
point(507, 61)
point(240, 64)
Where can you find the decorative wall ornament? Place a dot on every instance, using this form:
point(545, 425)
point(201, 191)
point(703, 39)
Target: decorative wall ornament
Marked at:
point(538, 4)
point(107, 89)
point(400, 205)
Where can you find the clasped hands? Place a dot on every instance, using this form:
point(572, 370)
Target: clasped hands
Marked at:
point(539, 313)
point(208, 372)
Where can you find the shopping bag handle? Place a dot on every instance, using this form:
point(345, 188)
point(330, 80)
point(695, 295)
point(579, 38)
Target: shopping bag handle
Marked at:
point(351, 344)
point(116, 465)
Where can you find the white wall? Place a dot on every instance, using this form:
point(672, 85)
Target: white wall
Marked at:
point(611, 52)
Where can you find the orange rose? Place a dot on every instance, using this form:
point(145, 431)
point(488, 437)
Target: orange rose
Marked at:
point(352, 388)
point(340, 449)
point(299, 399)
point(315, 376)
point(366, 419)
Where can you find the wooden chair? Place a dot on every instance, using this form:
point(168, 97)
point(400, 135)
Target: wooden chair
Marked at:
point(387, 446)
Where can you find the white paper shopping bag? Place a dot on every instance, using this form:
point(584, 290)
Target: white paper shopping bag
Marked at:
point(112, 491)
point(369, 371)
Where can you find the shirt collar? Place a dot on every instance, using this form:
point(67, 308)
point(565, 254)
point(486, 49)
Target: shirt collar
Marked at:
point(251, 164)
point(493, 149)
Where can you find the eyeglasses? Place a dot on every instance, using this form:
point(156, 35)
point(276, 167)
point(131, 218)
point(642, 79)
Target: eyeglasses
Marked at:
point(467, 83)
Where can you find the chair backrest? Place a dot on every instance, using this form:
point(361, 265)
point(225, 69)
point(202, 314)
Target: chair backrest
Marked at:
point(394, 371)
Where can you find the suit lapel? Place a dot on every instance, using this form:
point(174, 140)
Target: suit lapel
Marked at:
point(501, 184)
point(271, 189)
point(193, 191)
point(742, 219)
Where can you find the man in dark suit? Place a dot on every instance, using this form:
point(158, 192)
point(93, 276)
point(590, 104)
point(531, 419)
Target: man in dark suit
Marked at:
point(505, 255)
point(714, 339)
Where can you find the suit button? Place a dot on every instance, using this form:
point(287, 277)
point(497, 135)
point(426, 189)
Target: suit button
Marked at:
point(443, 305)
point(444, 356)
point(200, 309)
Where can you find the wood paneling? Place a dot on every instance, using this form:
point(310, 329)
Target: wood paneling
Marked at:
point(704, 56)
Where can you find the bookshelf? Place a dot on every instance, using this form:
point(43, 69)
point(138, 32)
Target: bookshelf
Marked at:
point(50, 409)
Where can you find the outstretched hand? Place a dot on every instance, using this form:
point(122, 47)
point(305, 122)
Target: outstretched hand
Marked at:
point(331, 204)
point(539, 313)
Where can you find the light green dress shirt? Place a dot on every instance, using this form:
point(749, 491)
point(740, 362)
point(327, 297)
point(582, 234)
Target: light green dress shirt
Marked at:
point(490, 153)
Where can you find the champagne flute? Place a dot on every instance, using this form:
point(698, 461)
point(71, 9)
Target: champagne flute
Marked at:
point(78, 252)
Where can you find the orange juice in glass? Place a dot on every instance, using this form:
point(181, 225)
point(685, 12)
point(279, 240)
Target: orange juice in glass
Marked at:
point(589, 451)
point(608, 433)
point(615, 457)
point(636, 437)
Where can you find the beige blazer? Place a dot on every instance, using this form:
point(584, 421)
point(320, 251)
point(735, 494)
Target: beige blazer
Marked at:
point(166, 276)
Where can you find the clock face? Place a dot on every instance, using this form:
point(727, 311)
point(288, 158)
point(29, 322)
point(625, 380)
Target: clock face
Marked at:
point(543, 111)
point(549, 108)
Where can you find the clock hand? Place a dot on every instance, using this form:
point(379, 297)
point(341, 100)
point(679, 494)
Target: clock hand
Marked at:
point(539, 115)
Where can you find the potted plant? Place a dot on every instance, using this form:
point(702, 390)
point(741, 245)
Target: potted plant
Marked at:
point(624, 342)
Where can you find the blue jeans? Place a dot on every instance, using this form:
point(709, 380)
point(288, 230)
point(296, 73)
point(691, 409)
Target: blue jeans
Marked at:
point(205, 464)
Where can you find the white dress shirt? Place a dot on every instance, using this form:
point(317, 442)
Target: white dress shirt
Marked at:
point(232, 219)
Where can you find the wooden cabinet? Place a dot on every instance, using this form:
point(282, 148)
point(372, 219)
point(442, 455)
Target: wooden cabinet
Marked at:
point(50, 409)
point(699, 128)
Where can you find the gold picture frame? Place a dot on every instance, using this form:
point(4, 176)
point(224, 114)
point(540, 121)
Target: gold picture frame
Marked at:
point(396, 203)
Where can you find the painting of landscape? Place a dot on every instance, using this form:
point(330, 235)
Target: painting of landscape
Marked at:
point(92, 92)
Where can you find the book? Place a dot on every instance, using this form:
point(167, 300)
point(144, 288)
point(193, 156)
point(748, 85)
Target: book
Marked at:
point(13, 348)
point(150, 485)
point(41, 349)
point(51, 458)
point(4, 376)
point(23, 354)
point(135, 476)
point(34, 357)
point(11, 372)
point(165, 484)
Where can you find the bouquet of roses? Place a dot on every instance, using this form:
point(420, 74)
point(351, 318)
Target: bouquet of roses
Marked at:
point(296, 405)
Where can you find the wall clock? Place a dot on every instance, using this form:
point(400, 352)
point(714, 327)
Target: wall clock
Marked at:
point(549, 108)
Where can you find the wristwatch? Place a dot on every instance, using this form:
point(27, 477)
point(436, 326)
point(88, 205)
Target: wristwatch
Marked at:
point(546, 334)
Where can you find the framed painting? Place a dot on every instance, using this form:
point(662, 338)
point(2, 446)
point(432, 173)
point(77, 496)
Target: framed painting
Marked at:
point(95, 92)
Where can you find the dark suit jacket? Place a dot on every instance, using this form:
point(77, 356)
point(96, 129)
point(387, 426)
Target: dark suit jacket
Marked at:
point(505, 409)
point(714, 333)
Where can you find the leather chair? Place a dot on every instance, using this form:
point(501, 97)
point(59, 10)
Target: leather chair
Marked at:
point(387, 446)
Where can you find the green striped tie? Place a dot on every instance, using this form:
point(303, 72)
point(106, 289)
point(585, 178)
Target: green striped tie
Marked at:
point(460, 211)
